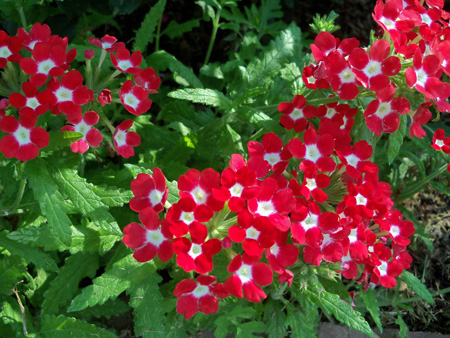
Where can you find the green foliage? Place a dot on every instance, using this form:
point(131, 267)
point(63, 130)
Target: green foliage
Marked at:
point(61, 326)
point(371, 304)
point(414, 283)
point(396, 140)
point(324, 23)
point(208, 97)
point(145, 34)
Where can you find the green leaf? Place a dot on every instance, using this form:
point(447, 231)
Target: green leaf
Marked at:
point(414, 283)
point(246, 330)
point(303, 323)
point(111, 308)
point(276, 318)
point(175, 29)
point(145, 33)
point(113, 196)
point(282, 48)
point(208, 97)
point(403, 333)
point(396, 140)
point(61, 326)
point(161, 60)
point(86, 201)
point(333, 305)
point(146, 300)
point(65, 285)
point(335, 286)
point(112, 283)
point(51, 202)
point(31, 255)
point(371, 304)
point(13, 269)
point(229, 319)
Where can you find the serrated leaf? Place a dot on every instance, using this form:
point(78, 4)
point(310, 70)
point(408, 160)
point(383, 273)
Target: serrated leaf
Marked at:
point(61, 326)
point(440, 187)
point(145, 33)
point(175, 29)
point(371, 304)
point(414, 283)
point(208, 97)
point(13, 269)
point(148, 314)
point(336, 287)
point(31, 255)
point(162, 60)
point(86, 201)
point(51, 202)
point(343, 312)
point(275, 318)
point(106, 310)
point(246, 330)
point(403, 333)
point(302, 322)
point(112, 283)
point(65, 285)
point(396, 140)
point(260, 70)
point(113, 196)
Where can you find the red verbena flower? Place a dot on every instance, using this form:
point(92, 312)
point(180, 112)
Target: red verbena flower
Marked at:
point(148, 80)
point(25, 139)
point(199, 296)
point(149, 191)
point(108, 43)
point(440, 142)
point(134, 98)
point(9, 49)
point(38, 33)
point(83, 125)
point(151, 240)
point(196, 255)
point(33, 101)
point(125, 141)
point(104, 97)
point(125, 62)
point(247, 274)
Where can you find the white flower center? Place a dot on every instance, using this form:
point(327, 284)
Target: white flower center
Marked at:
point(275, 249)
point(130, 100)
point(63, 94)
point(352, 160)
point(383, 110)
point(360, 200)
point(390, 24)
point(155, 197)
point(187, 217)
point(310, 222)
point(106, 45)
point(199, 195)
point(265, 208)
point(236, 190)
point(426, 19)
point(45, 67)
point(347, 76)
point(82, 128)
point(395, 231)
point(200, 291)
point(5, 52)
point(196, 250)
point(22, 135)
point(421, 77)
point(155, 237)
point(311, 183)
point(383, 268)
point(439, 143)
point(272, 158)
point(124, 64)
point(120, 138)
point(353, 236)
point(252, 233)
point(296, 114)
point(312, 153)
point(244, 273)
point(32, 102)
point(331, 112)
point(373, 68)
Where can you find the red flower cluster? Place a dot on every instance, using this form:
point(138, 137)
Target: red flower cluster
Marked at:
point(52, 86)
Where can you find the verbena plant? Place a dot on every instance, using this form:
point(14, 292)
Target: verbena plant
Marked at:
point(272, 181)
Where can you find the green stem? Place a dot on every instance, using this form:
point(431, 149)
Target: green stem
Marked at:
point(22, 17)
point(106, 121)
point(213, 36)
point(415, 187)
point(106, 81)
point(415, 299)
point(21, 190)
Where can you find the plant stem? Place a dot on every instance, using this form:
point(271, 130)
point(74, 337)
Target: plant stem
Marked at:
point(213, 36)
point(106, 121)
point(22, 17)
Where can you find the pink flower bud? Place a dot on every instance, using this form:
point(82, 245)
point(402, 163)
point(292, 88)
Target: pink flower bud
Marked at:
point(89, 54)
point(104, 97)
